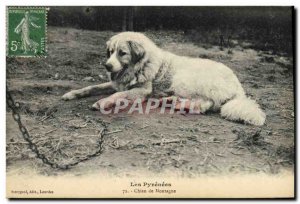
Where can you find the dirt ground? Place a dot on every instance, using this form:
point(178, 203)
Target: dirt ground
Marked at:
point(187, 145)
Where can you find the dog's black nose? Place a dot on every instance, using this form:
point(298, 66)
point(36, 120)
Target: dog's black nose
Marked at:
point(108, 67)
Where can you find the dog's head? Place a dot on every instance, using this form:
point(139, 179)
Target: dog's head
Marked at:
point(123, 52)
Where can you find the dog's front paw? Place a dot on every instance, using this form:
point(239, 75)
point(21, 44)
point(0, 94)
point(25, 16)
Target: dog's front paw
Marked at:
point(69, 96)
point(95, 106)
point(103, 104)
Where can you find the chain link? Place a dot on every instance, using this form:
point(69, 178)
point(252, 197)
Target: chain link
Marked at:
point(34, 148)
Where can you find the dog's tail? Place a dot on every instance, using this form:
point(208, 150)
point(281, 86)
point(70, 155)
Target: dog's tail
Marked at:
point(245, 109)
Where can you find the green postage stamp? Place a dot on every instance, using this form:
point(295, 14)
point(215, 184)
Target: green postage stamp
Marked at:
point(26, 31)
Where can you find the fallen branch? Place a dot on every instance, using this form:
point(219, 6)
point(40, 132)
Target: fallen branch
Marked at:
point(168, 142)
point(220, 155)
point(204, 160)
point(87, 136)
point(210, 141)
point(144, 127)
point(59, 142)
point(115, 131)
point(50, 131)
point(45, 118)
point(238, 154)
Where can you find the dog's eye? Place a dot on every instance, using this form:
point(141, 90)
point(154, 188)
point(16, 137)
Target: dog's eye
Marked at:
point(122, 53)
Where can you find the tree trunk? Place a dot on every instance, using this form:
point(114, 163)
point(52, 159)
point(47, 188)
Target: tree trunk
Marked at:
point(130, 18)
point(124, 20)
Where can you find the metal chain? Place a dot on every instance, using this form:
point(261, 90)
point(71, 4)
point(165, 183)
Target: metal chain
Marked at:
point(34, 148)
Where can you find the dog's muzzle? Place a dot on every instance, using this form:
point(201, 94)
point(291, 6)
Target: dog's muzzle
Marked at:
point(108, 67)
point(116, 75)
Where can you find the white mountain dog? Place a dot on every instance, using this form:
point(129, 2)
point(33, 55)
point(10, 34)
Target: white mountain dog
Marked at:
point(139, 69)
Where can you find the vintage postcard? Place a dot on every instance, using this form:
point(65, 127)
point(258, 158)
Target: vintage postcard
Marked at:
point(150, 102)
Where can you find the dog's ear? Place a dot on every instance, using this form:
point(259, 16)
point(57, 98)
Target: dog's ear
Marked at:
point(107, 53)
point(107, 49)
point(137, 51)
point(108, 44)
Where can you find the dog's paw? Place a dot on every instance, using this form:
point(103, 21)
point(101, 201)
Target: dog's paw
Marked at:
point(103, 104)
point(69, 96)
point(95, 106)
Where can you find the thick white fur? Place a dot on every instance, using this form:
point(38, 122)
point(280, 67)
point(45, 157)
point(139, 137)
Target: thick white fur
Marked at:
point(243, 109)
point(216, 82)
point(212, 82)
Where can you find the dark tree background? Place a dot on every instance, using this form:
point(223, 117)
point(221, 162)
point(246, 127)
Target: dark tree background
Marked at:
point(269, 27)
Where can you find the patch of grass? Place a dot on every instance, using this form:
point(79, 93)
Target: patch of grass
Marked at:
point(250, 140)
